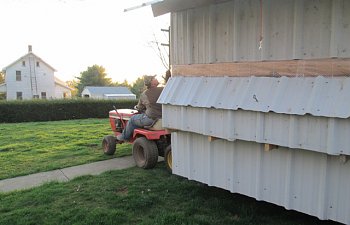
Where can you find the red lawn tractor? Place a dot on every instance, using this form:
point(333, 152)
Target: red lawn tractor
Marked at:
point(147, 143)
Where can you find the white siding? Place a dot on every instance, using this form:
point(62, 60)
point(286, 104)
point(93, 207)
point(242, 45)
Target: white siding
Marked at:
point(86, 92)
point(61, 91)
point(319, 134)
point(307, 118)
point(318, 96)
point(313, 183)
point(45, 80)
point(230, 31)
point(305, 173)
point(43, 74)
point(14, 86)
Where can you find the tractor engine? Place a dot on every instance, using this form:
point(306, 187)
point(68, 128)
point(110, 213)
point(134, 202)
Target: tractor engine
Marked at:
point(120, 116)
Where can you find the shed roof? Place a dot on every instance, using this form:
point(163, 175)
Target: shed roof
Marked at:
point(107, 90)
point(318, 96)
point(167, 6)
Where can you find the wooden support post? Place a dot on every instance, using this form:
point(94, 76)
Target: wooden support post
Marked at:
point(269, 147)
point(212, 138)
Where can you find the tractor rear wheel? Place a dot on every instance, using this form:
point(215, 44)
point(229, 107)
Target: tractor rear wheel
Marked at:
point(145, 153)
point(168, 158)
point(109, 144)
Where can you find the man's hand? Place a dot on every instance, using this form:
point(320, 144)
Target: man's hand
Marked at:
point(140, 109)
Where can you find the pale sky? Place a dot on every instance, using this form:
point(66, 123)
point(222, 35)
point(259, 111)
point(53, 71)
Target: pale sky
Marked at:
point(71, 35)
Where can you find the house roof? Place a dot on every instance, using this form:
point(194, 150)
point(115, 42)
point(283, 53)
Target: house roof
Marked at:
point(62, 83)
point(29, 53)
point(167, 6)
point(107, 90)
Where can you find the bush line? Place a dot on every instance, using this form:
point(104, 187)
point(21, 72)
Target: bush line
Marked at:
point(52, 110)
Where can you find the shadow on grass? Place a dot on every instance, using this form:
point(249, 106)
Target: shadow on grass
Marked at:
point(137, 196)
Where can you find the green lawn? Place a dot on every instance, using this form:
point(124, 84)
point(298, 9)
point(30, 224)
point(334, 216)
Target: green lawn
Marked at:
point(143, 197)
point(27, 148)
point(131, 196)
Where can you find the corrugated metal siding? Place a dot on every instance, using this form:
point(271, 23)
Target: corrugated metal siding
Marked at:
point(310, 182)
point(320, 96)
point(320, 134)
point(230, 31)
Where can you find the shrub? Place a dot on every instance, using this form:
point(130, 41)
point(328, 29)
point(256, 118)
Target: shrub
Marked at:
point(50, 110)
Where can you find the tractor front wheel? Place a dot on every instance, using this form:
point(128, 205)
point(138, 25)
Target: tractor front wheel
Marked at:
point(145, 153)
point(109, 144)
point(168, 158)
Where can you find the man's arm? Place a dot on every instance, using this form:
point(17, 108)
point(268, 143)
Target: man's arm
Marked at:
point(141, 105)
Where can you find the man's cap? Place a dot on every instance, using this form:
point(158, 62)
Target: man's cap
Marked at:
point(147, 80)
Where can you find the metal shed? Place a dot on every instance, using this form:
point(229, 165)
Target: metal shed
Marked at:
point(107, 93)
point(258, 101)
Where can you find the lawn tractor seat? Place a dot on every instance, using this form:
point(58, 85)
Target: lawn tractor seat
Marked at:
point(157, 125)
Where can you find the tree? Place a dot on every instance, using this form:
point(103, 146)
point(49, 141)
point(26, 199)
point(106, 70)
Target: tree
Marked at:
point(123, 84)
point(138, 87)
point(2, 77)
point(2, 80)
point(73, 84)
point(161, 52)
point(93, 76)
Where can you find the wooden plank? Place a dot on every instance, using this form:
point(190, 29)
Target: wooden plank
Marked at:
point(169, 130)
point(291, 68)
point(212, 138)
point(269, 147)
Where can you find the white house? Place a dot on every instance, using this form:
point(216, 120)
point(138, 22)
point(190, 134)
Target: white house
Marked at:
point(31, 77)
point(107, 93)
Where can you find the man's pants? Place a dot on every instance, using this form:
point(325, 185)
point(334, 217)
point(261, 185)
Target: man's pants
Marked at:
point(136, 121)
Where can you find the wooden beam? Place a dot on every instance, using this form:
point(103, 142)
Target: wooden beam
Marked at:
point(169, 130)
point(212, 138)
point(269, 147)
point(292, 68)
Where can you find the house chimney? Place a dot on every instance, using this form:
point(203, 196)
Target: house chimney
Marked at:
point(29, 48)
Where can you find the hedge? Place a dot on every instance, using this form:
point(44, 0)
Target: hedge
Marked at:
point(51, 110)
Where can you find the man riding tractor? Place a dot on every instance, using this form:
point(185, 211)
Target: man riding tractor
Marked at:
point(142, 128)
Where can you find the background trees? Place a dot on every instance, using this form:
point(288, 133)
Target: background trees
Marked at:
point(2, 77)
point(73, 84)
point(94, 76)
point(138, 87)
point(2, 80)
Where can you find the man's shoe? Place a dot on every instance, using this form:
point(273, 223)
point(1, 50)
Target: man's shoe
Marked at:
point(120, 138)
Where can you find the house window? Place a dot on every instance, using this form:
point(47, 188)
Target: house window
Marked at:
point(43, 95)
point(18, 76)
point(37, 64)
point(23, 63)
point(19, 95)
point(35, 96)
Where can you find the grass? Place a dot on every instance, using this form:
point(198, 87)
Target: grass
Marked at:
point(144, 197)
point(27, 148)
